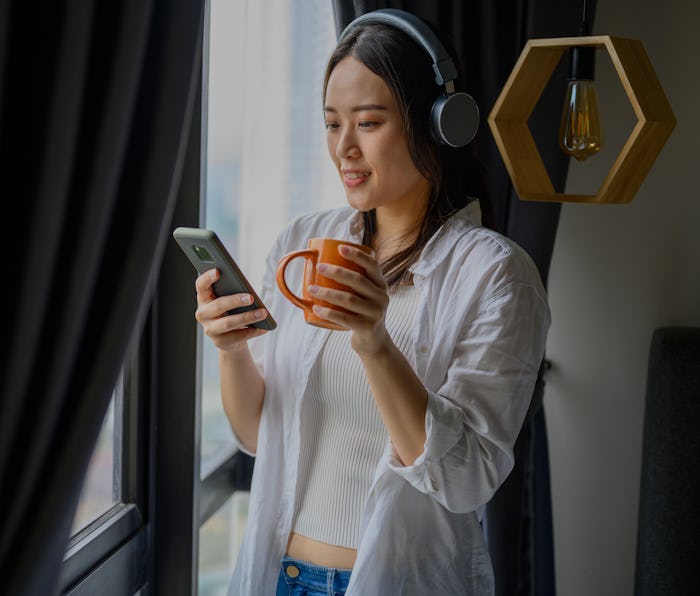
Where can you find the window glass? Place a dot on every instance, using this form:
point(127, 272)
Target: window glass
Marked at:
point(266, 148)
point(101, 487)
point(224, 111)
point(219, 540)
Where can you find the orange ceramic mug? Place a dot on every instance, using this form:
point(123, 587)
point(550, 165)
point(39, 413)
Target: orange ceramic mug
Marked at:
point(320, 250)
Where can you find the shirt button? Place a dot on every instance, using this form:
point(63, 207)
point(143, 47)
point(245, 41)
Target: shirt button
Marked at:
point(292, 571)
point(424, 349)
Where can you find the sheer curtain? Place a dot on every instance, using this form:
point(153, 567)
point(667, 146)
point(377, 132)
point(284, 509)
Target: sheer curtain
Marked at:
point(266, 159)
point(266, 154)
point(285, 170)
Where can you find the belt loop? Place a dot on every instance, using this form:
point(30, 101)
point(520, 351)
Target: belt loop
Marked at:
point(330, 577)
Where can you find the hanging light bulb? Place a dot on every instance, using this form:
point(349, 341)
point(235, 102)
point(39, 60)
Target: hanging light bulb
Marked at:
point(580, 132)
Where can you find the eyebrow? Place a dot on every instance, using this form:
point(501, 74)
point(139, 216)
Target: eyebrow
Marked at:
point(361, 108)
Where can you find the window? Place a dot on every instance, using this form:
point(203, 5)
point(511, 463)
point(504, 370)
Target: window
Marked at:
point(101, 487)
point(109, 532)
point(266, 163)
point(219, 540)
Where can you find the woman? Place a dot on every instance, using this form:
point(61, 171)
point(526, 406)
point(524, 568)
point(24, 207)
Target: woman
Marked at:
point(377, 449)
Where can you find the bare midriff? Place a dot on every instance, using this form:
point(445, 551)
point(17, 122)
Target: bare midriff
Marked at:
point(320, 553)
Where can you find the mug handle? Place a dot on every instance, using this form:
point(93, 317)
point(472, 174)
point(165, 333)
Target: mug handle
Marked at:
point(282, 283)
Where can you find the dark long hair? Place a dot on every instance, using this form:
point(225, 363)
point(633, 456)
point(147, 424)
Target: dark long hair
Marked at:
point(456, 176)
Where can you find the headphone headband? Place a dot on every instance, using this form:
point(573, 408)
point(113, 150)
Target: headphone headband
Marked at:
point(454, 117)
point(417, 30)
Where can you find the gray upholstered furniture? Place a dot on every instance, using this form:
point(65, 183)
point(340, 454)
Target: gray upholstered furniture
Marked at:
point(668, 545)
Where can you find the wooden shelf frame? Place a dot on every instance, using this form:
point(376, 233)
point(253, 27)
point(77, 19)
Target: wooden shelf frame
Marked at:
point(510, 114)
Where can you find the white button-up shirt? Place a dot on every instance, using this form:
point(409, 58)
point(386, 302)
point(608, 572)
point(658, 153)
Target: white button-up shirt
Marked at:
point(479, 337)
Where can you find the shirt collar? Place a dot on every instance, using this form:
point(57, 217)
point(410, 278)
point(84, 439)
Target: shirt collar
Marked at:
point(442, 241)
point(438, 246)
point(356, 227)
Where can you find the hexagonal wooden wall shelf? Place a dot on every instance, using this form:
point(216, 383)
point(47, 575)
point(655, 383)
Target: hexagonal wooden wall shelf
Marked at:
point(510, 113)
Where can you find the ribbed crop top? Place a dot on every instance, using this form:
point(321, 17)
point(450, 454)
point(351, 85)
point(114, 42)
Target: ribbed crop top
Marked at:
point(344, 436)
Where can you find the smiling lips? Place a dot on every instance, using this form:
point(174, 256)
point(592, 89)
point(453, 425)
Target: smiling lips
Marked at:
point(353, 178)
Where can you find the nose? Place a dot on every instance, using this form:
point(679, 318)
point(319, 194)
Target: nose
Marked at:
point(347, 146)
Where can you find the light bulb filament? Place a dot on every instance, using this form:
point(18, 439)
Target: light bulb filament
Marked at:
point(581, 134)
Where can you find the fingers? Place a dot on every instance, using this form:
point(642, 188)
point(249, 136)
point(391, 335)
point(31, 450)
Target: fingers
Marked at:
point(211, 307)
point(347, 320)
point(218, 309)
point(226, 330)
point(366, 261)
point(231, 331)
point(356, 304)
point(203, 286)
point(234, 340)
point(362, 284)
point(366, 283)
point(369, 301)
point(235, 322)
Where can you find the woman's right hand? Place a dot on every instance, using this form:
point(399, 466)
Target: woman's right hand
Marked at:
point(229, 333)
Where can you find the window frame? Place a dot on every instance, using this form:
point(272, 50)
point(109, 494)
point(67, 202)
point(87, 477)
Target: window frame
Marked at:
point(91, 549)
point(184, 500)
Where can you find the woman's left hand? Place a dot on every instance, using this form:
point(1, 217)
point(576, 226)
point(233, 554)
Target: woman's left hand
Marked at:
point(367, 308)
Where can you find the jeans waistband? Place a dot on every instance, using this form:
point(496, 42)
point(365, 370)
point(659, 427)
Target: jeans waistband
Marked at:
point(329, 580)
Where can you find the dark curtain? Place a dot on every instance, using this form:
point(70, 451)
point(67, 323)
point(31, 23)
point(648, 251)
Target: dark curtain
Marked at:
point(488, 38)
point(95, 103)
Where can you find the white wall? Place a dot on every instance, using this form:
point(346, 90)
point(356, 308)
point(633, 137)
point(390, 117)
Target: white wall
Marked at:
point(618, 272)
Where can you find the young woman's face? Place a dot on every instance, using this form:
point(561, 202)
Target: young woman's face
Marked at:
point(368, 145)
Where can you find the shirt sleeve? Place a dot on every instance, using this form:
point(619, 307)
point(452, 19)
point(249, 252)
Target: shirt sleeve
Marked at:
point(473, 419)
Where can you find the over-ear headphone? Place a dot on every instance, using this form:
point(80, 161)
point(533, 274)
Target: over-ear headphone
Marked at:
point(454, 117)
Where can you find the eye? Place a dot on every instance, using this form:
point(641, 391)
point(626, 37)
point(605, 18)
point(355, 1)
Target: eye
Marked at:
point(331, 125)
point(367, 124)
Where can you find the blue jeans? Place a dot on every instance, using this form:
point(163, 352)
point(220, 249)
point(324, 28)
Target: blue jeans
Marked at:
point(299, 578)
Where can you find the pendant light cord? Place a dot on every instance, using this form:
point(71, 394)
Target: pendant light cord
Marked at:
point(585, 27)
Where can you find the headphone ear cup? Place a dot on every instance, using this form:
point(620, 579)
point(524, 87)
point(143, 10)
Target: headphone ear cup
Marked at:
point(454, 119)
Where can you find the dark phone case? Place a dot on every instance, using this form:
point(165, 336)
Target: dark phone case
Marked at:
point(231, 280)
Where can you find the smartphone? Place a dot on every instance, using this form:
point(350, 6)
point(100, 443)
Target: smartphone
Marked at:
point(206, 251)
